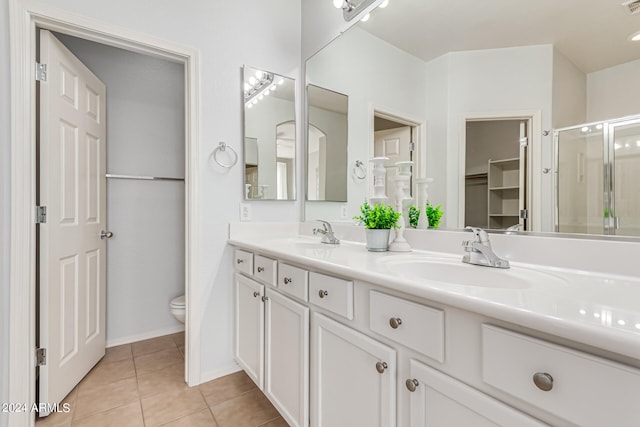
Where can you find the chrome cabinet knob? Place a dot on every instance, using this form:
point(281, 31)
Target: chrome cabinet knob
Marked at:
point(287, 280)
point(394, 322)
point(323, 293)
point(412, 384)
point(260, 269)
point(106, 234)
point(381, 366)
point(265, 298)
point(543, 381)
point(255, 294)
point(239, 261)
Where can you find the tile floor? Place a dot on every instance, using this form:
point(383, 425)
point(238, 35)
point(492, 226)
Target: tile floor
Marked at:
point(142, 384)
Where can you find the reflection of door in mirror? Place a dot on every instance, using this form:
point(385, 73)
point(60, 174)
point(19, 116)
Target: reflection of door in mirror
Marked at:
point(495, 174)
point(626, 178)
point(251, 168)
point(316, 164)
point(285, 155)
point(392, 140)
point(326, 145)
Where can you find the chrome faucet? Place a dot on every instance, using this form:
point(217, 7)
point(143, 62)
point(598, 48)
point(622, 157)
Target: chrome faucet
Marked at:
point(327, 233)
point(480, 251)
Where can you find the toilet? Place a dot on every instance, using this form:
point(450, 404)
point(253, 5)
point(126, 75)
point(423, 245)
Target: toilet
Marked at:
point(177, 306)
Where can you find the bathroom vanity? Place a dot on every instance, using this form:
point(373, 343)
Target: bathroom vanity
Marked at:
point(338, 336)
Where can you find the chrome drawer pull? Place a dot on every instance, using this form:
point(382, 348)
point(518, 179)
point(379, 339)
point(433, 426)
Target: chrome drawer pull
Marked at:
point(543, 381)
point(239, 261)
point(412, 384)
point(287, 280)
point(381, 366)
point(323, 293)
point(395, 322)
point(260, 269)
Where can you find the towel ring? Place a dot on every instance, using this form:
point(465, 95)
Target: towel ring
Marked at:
point(222, 146)
point(359, 171)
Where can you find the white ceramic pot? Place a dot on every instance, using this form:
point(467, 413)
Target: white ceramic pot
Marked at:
point(377, 239)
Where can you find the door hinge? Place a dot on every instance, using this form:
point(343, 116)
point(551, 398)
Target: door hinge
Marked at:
point(41, 72)
point(524, 213)
point(412, 146)
point(41, 214)
point(41, 356)
point(524, 142)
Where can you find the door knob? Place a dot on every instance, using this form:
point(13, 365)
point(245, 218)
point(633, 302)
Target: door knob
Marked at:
point(106, 234)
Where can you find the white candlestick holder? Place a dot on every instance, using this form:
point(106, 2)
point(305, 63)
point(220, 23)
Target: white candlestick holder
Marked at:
point(399, 243)
point(379, 172)
point(423, 197)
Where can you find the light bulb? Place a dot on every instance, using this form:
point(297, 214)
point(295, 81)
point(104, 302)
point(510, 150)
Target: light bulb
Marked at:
point(249, 105)
point(273, 87)
point(599, 126)
point(259, 74)
point(255, 101)
point(365, 18)
point(384, 4)
point(338, 3)
point(585, 129)
point(247, 86)
point(267, 92)
point(252, 80)
point(260, 97)
point(281, 81)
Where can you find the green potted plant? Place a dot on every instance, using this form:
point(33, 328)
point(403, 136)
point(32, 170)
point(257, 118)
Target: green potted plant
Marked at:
point(378, 220)
point(434, 215)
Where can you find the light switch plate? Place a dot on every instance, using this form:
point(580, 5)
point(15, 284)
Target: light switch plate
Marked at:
point(245, 212)
point(344, 211)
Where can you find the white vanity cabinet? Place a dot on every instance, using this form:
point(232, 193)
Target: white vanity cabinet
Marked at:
point(272, 346)
point(437, 400)
point(353, 377)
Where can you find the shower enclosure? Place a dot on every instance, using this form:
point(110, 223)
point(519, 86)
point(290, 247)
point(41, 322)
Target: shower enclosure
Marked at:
point(597, 180)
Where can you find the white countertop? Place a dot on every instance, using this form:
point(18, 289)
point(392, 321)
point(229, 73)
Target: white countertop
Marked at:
point(600, 310)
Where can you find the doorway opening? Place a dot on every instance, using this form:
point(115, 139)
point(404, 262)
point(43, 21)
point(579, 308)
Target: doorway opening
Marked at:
point(25, 18)
point(496, 173)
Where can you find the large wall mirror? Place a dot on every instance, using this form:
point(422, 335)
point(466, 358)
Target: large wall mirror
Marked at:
point(269, 136)
point(327, 121)
point(483, 90)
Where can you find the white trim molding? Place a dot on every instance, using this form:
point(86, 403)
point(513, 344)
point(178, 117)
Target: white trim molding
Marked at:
point(25, 17)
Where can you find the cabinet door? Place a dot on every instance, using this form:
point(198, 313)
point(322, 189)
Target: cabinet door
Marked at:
point(353, 378)
point(438, 400)
point(249, 327)
point(287, 357)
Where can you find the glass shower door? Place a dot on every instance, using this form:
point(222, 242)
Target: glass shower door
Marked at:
point(580, 185)
point(624, 150)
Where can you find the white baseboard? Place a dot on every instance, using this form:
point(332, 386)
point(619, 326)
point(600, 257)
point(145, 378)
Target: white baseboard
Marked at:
point(145, 336)
point(221, 372)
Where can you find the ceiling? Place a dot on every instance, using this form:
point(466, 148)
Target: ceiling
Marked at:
point(593, 34)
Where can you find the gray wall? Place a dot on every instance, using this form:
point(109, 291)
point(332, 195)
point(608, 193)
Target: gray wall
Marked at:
point(5, 200)
point(145, 136)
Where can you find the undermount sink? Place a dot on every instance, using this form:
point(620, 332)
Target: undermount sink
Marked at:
point(459, 273)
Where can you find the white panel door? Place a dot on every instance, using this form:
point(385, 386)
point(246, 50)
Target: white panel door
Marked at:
point(72, 187)
point(286, 378)
point(394, 144)
point(438, 400)
point(249, 328)
point(353, 378)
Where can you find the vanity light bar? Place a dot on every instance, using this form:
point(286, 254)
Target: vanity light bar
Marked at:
point(350, 10)
point(261, 84)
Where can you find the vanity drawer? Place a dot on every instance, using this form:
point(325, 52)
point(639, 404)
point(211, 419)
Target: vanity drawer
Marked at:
point(265, 269)
point(243, 262)
point(583, 389)
point(413, 325)
point(331, 293)
point(293, 281)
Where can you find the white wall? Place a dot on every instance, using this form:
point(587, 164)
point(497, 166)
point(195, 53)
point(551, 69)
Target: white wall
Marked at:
point(371, 72)
point(145, 136)
point(569, 92)
point(5, 202)
point(613, 92)
point(225, 34)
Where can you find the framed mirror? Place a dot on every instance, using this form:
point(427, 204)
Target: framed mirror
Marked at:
point(327, 124)
point(470, 97)
point(269, 135)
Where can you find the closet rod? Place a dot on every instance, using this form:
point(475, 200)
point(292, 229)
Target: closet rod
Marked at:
point(141, 177)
